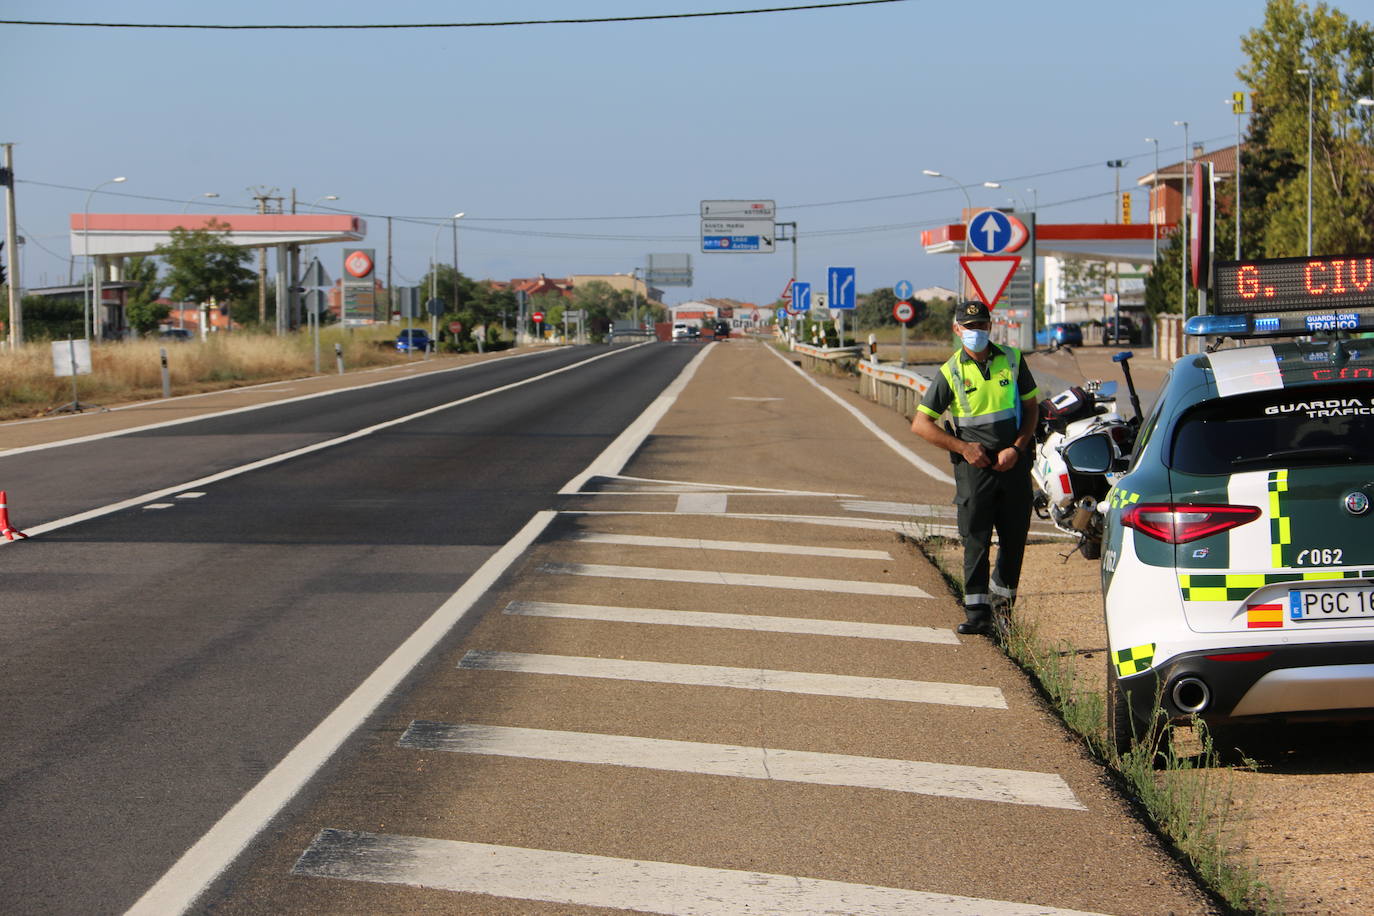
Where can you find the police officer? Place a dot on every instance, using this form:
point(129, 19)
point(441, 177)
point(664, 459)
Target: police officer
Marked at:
point(991, 397)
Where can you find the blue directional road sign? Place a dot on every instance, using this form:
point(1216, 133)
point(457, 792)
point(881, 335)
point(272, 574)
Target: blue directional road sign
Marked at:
point(840, 289)
point(903, 289)
point(801, 297)
point(990, 231)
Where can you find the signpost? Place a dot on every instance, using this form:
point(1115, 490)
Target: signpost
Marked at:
point(904, 311)
point(903, 289)
point(841, 287)
point(995, 232)
point(801, 298)
point(990, 275)
point(738, 225)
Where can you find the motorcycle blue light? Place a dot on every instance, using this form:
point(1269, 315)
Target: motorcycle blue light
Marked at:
point(1217, 325)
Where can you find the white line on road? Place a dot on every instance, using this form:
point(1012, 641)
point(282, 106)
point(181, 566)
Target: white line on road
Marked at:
point(879, 507)
point(644, 540)
point(703, 503)
point(988, 784)
point(712, 577)
point(832, 685)
point(575, 879)
point(915, 459)
point(754, 622)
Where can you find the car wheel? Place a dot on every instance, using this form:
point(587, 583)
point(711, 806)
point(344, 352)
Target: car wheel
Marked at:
point(1092, 548)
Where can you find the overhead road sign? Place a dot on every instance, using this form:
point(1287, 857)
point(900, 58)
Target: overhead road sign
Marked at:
point(840, 288)
point(993, 232)
point(746, 235)
point(801, 297)
point(990, 275)
point(738, 209)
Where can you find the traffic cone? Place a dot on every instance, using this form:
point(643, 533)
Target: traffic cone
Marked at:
point(5, 519)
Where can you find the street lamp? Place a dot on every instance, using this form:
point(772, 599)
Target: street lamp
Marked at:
point(1183, 254)
point(967, 200)
point(88, 323)
point(325, 197)
point(1308, 73)
point(187, 209)
point(455, 218)
point(1154, 197)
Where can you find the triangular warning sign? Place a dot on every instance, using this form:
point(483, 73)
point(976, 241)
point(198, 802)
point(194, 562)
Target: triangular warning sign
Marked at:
point(989, 275)
point(787, 291)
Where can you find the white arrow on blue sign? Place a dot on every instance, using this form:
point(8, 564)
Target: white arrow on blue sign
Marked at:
point(841, 288)
point(801, 297)
point(903, 289)
point(990, 231)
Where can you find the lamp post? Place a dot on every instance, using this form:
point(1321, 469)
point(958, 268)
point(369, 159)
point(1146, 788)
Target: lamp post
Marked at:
point(325, 197)
point(1307, 72)
point(455, 218)
point(1183, 253)
point(967, 200)
point(1238, 107)
point(187, 209)
point(1154, 198)
point(87, 323)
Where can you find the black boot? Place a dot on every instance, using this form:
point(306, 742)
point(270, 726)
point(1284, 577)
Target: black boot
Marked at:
point(979, 620)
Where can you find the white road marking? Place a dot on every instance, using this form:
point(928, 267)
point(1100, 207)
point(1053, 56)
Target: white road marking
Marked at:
point(906, 453)
point(832, 685)
point(189, 495)
point(1015, 787)
point(575, 879)
point(284, 456)
point(651, 485)
point(616, 455)
point(159, 505)
point(643, 540)
point(754, 622)
point(712, 577)
point(879, 507)
point(703, 503)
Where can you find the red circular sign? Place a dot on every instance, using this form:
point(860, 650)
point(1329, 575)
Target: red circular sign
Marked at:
point(455, 326)
point(903, 311)
point(538, 317)
point(358, 264)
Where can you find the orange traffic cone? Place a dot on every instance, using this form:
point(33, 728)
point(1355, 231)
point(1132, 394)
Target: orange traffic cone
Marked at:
point(5, 528)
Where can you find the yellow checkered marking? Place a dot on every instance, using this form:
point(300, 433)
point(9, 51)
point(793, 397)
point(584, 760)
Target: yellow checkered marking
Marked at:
point(1237, 586)
point(1280, 525)
point(1135, 660)
point(1120, 499)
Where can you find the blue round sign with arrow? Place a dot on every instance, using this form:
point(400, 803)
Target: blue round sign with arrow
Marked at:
point(903, 289)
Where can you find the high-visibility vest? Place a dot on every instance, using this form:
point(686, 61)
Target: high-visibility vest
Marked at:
point(979, 401)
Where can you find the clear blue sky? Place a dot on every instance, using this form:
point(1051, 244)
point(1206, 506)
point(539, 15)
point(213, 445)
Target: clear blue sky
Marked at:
point(531, 131)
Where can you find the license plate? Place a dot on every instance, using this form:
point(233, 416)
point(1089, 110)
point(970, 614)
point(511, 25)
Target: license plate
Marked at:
point(1331, 604)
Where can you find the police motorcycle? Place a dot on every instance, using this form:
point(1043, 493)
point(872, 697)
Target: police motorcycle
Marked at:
point(1070, 498)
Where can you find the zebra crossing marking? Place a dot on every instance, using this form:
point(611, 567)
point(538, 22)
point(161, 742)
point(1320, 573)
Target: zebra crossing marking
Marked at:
point(754, 580)
point(644, 540)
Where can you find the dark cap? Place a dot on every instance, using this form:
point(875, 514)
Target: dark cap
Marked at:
point(971, 311)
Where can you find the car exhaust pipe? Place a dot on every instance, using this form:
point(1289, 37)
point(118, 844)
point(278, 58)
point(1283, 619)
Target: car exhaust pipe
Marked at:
point(1191, 695)
point(1083, 514)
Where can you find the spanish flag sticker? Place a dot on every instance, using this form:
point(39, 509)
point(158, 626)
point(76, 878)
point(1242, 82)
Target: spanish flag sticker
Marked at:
point(1264, 615)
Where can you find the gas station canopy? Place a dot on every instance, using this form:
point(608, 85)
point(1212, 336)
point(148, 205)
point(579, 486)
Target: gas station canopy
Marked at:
point(123, 234)
point(1097, 241)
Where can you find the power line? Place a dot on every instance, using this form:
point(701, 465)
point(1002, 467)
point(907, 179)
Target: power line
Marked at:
point(447, 25)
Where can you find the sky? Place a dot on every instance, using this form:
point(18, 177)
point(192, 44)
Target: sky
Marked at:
point(584, 148)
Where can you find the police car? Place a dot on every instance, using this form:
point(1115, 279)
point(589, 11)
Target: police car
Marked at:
point(1238, 555)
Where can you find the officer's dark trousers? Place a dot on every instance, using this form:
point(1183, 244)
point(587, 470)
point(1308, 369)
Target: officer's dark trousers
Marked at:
point(988, 500)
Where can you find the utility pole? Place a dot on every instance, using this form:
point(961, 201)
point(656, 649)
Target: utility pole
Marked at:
point(16, 335)
point(390, 291)
point(263, 196)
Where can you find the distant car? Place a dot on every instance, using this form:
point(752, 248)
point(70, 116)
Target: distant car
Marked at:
point(1065, 334)
point(414, 339)
point(181, 334)
point(693, 331)
point(722, 330)
point(1126, 333)
point(681, 331)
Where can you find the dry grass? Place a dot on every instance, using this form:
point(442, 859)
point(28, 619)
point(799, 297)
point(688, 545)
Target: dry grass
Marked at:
point(132, 370)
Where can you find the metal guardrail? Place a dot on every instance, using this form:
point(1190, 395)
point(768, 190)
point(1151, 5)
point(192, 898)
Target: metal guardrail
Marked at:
point(892, 386)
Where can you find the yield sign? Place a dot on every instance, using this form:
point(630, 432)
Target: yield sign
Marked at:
point(989, 276)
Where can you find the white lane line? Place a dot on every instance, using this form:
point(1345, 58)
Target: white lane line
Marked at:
point(198, 867)
point(32, 530)
point(831, 685)
point(644, 540)
point(703, 503)
point(879, 507)
point(753, 622)
point(712, 577)
point(576, 879)
point(189, 495)
point(159, 505)
point(915, 459)
point(220, 413)
point(687, 486)
point(992, 784)
point(616, 455)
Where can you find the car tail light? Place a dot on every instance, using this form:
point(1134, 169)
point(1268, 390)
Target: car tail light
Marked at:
point(1178, 523)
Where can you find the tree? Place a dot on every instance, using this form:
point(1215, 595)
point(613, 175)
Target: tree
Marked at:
point(203, 265)
point(1340, 55)
point(141, 307)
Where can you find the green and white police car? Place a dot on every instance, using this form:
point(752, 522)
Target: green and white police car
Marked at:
point(1238, 556)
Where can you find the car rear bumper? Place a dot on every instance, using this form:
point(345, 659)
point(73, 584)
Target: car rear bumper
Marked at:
point(1313, 680)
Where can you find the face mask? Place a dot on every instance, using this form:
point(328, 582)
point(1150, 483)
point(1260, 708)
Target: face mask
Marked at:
point(975, 340)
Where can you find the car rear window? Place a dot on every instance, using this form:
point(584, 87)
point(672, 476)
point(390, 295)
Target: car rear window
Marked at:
point(1280, 428)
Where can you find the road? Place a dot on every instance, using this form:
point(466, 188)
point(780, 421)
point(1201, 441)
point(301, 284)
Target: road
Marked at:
point(710, 674)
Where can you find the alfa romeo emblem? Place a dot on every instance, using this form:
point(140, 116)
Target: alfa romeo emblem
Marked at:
point(1356, 503)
